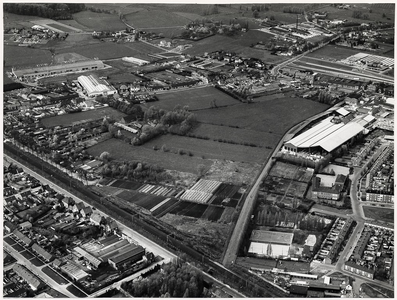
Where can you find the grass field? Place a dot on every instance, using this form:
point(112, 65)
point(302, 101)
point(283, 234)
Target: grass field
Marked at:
point(74, 24)
point(374, 12)
point(331, 52)
point(60, 27)
point(108, 50)
point(68, 119)
point(24, 56)
point(209, 149)
point(237, 135)
point(153, 18)
point(219, 42)
point(167, 160)
point(275, 116)
point(379, 213)
point(195, 98)
point(99, 21)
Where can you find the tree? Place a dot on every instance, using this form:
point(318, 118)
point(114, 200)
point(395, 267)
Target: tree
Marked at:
point(105, 156)
point(201, 170)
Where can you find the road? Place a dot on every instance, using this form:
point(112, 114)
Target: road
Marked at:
point(37, 270)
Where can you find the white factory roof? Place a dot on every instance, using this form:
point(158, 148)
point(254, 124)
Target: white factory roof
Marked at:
point(94, 85)
point(263, 249)
point(326, 134)
point(343, 111)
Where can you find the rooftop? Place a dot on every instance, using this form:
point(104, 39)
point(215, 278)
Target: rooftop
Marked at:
point(273, 237)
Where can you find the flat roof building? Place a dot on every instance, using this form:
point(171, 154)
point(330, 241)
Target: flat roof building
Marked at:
point(131, 256)
point(52, 70)
point(74, 271)
point(270, 243)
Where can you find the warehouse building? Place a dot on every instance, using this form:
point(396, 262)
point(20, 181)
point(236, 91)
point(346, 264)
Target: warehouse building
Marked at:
point(94, 86)
point(59, 69)
point(74, 272)
point(132, 256)
point(270, 243)
point(324, 136)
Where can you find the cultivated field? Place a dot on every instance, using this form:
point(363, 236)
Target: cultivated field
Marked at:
point(15, 56)
point(141, 199)
point(68, 119)
point(167, 160)
point(284, 186)
point(209, 149)
point(195, 98)
point(374, 11)
point(237, 135)
point(379, 213)
point(144, 19)
point(289, 171)
point(275, 116)
point(99, 21)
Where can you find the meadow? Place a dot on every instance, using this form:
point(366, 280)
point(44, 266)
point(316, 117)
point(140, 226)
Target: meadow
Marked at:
point(68, 119)
point(144, 19)
point(99, 21)
point(15, 56)
point(275, 116)
point(195, 98)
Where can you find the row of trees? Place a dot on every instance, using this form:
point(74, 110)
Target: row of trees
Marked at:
point(57, 11)
point(175, 280)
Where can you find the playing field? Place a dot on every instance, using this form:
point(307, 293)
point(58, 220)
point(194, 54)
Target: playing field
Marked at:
point(68, 119)
point(333, 52)
point(195, 98)
point(154, 18)
point(274, 116)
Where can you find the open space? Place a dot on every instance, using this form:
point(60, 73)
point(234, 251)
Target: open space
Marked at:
point(15, 56)
point(144, 19)
point(195, 98)
point(379, 213)
point(275, 116)
point(68, 119)
point(99, 21)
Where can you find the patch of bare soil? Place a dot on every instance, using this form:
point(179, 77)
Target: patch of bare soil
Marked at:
point(239, 173)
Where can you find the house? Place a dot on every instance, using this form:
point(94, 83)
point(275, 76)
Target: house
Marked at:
point(41, 252)
point(27, 276)
point(96, 218)
point(325, 191)
point(25, 225)
point(78, 207)
point(21, 237)
point(86, 212)
point(360, 270)
point(67, 202)
point(111, 225)
point(9, 227)
point(128, 119)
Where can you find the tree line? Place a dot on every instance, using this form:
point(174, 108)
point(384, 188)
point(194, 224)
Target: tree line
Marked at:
point(56, 11)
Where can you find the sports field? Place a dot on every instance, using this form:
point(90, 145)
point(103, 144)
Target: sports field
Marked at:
point(68, 119)
point(274, 116)
point(195, 98)
point(333, 52)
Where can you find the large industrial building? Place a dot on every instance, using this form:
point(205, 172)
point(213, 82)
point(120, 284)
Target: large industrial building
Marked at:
point(326, 135)
point(270, 243)
point(59, 69)
point(94, 86)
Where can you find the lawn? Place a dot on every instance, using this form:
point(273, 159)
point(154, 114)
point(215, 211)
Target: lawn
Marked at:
point(275, 116)
point(379, 213)
point(237, 135)
point(195, 98)
point(154, 18)
point(54, 275)
point(167, 160)
point(15, 56)
point(331, 52)
point(27, 254)
point(209, 149)
point(109, 50)
point(99, 21)
point(68, 119)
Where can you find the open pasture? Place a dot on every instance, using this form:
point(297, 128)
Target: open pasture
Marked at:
point(155, 18)
point(99, 21)
point(167, 160)
point(334, 52)
point(109, 50)
point(275, 116)
point(15, 56)
point(237, 135)
point(195, 98)
point(375, 12)
point(68, 119)
point(209, 149)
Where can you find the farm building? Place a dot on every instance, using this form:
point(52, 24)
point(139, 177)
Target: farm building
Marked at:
point(26, 275)
point(51, 70)
point(270, 243)
point(95, 86)
point(325, 135)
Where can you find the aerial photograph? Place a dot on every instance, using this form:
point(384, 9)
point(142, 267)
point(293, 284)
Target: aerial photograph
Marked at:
point(198, 150)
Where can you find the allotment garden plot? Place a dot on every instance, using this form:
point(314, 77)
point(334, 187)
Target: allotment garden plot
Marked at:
point(288, 171)
point(195, 98)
